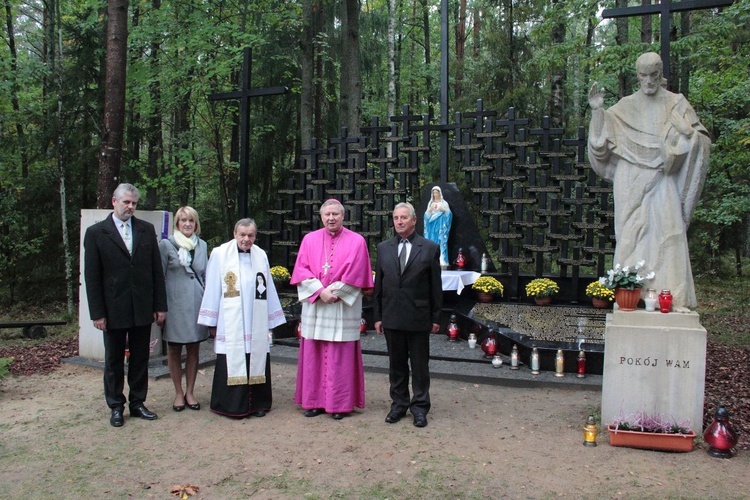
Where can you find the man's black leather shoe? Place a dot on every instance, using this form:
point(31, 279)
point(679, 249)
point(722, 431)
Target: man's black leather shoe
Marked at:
point(116, 420)
point(259, 413)
point(314, 412)
point(338, 416)
point(393, 417)
point(420, 420)
point(143, 412)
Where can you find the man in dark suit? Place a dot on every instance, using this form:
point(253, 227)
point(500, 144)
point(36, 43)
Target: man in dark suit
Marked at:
point(126, 293)
point(408, 298)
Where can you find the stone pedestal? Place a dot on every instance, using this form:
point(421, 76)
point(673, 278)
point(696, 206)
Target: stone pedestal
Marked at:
point(90, 341)
point(654, 362)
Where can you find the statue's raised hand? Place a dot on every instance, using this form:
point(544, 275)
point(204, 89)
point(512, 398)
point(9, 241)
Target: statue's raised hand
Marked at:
point(596, 96)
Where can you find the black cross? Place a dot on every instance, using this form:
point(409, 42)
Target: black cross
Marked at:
point(665, 9)
point(244, 95)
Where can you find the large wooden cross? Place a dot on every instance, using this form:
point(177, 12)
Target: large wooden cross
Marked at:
point(665, 9)
point(244, 94)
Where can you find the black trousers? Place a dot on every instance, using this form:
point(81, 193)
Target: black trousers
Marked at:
point(239, 401)
point(137, 340)
point(406, 348)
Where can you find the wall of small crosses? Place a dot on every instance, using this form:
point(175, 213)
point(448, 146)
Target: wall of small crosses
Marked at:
point(542, 210)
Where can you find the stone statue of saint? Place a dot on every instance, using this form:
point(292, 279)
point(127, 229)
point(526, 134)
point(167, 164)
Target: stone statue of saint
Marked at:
point(437, 223)
point(654, 149)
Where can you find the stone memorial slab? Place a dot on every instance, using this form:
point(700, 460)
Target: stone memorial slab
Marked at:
point(90, 340)
point(654, 362)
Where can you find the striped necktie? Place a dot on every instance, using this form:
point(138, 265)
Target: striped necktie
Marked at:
point(402, 255)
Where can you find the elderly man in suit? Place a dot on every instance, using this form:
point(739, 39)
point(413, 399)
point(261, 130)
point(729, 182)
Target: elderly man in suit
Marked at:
point(408, 299)
point(126, 293)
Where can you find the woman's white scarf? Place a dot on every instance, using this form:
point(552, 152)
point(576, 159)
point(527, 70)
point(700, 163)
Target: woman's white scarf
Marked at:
point(186, 245)
point(233, 286)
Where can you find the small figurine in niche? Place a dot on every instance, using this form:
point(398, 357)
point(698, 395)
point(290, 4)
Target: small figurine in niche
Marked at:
point(437, 223)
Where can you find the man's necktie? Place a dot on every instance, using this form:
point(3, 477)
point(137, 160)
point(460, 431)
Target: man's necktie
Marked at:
point(402, 255)
point(127, 237)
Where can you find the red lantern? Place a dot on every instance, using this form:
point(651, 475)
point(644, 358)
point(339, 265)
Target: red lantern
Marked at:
point(460, 259)
point(665, 301)
point(453, 330)
point(489, 345)
point(363, 326)
point(298, 330)
point(581, 365)
point(720, 436)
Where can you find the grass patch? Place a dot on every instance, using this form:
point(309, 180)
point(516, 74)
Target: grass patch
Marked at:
point(724, 307)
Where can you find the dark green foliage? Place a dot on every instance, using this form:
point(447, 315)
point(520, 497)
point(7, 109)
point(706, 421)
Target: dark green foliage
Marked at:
point(186, 50)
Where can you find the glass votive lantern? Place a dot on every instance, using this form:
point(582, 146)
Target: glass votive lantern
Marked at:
point(559, 363)
point(720, 436)
point(665, 301)
point(497, 361)
point(489, 345)
point(534, 361)
point(581, 365)
point(514, 358)
point(453, 331)
point(472, 340)
point(590, 431)
point(650, 299)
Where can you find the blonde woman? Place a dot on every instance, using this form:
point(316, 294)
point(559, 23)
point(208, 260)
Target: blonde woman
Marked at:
point(183, 259)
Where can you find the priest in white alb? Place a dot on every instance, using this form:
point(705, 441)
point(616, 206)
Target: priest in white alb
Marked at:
point(240, 306)
point(332, 271)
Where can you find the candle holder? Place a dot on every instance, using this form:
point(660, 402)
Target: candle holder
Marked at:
point(590, 431)
point(514, 358)
point(581, 365)
point(720, 436)
point(650, 299)
point(472, 340)
point(534, 361)
point(460, 261)
point(497, 361)
point(453, 330)
point(559, 363)
point(665, 301)
point(363, 326)
point(489, 345)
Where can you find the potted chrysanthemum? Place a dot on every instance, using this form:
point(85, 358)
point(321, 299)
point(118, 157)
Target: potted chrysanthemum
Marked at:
point(542, 290)
point(280, 275)
point(601, 296)
point(486, 287)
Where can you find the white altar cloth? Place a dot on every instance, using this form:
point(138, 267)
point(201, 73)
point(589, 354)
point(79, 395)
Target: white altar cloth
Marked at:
point(457, 280)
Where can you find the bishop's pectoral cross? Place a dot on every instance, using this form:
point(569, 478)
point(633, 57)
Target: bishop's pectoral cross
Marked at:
point(326, 267)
